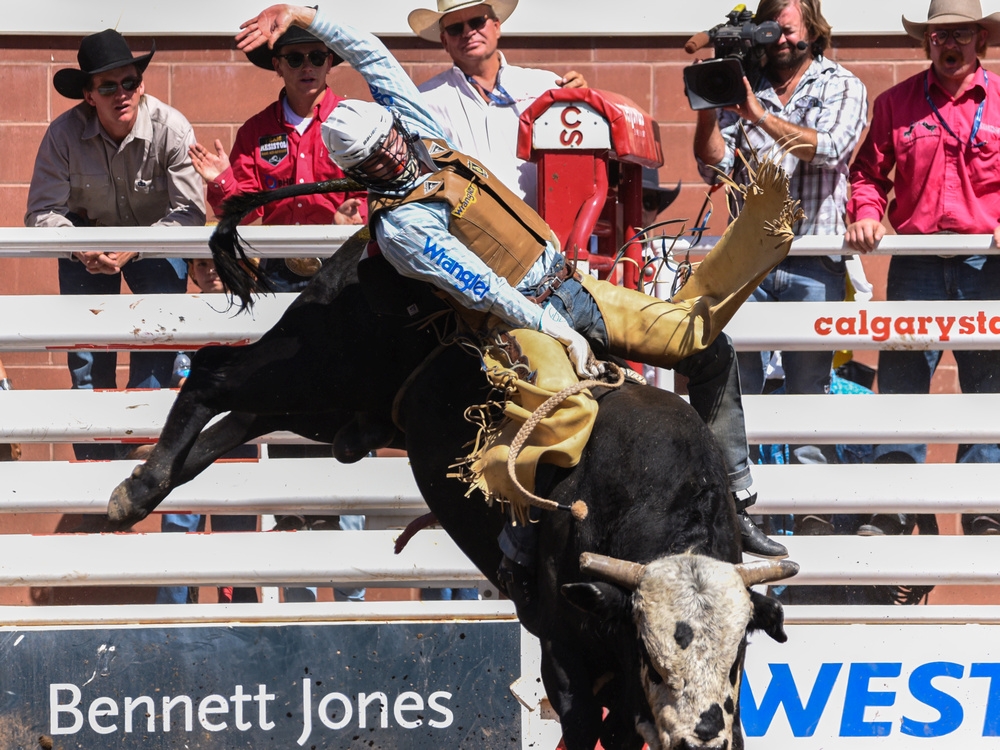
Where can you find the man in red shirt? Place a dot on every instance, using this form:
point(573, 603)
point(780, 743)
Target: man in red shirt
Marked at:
point(281, 145)
point(940, 130)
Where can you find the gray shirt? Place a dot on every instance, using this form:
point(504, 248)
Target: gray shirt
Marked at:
point(147, 179)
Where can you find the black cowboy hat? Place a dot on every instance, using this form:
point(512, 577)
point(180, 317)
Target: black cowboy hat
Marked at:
point(106, 50)
point(262, 56)
point(651, 184)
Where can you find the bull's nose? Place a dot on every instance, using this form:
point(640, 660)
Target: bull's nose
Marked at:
point(686, 744)
point(710, 724)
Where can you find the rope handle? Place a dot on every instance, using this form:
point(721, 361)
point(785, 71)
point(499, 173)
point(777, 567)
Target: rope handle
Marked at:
point(579, 507)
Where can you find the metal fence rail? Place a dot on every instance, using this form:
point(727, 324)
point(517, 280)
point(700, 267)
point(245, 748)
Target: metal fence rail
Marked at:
point(52, 323)
point(386, 487)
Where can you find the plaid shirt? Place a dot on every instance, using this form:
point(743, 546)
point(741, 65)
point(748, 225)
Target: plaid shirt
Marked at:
point(832, 101)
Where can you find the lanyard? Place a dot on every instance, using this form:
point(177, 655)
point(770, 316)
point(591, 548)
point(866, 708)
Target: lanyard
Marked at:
point(497, 96)
point(977, 120)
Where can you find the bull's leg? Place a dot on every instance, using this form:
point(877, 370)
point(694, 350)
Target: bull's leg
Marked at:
point(222, 379)
point(232, 431)
point(150, 482)
point(618, 731)
point(568, 685)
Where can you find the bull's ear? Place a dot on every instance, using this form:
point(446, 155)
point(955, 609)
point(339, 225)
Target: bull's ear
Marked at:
point(768, 616)
point(604, 600)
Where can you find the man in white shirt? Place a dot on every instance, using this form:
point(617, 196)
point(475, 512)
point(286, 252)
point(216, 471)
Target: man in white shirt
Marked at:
point(479, 101)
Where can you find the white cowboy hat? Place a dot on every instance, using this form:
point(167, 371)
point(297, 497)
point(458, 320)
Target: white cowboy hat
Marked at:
point(955, 11)
point(425, 22)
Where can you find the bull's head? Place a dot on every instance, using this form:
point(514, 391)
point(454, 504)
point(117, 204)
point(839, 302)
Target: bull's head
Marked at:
point(692, 614)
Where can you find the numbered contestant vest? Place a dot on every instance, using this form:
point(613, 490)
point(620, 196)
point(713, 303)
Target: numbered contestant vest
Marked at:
point(486, 216)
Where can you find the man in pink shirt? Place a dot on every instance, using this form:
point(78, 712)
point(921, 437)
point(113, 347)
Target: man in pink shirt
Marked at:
point(940, 130)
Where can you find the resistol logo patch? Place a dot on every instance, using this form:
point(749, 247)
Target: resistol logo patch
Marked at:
point(273, 148)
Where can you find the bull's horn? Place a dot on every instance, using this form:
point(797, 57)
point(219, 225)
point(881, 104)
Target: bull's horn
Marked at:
point(611, 569)
point(766, 571)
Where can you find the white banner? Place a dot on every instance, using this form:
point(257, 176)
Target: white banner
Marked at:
point(862, 686)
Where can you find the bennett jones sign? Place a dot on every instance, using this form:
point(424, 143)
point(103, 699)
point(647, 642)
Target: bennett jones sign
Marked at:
point(427, 685)
point(387, 686)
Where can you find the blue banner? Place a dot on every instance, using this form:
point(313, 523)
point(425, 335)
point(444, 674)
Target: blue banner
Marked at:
point(350, 685)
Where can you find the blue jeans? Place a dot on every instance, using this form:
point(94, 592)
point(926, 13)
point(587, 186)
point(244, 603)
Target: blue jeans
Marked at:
point(190, 522)
point(151, 369)
point(798, 279)
point(309, 593)
point(933, 278)
point(713, 378)
point(281, 277)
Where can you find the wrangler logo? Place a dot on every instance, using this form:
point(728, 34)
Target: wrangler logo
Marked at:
point(465, 281)
point(471, 194)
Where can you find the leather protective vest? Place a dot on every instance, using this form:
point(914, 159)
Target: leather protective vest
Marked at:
point(486, 216)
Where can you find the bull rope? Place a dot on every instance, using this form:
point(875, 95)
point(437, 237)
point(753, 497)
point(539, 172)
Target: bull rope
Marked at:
point(578, 508)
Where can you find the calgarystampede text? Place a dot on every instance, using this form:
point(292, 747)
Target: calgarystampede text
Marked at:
point(934, 327)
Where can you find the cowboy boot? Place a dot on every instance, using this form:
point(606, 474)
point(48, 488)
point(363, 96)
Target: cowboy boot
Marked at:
point(755, 541)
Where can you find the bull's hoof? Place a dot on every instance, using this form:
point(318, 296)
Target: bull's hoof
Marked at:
point(121, 511)
point(124, 509)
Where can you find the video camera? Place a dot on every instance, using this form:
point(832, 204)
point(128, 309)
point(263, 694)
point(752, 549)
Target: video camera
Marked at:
point(738, 43)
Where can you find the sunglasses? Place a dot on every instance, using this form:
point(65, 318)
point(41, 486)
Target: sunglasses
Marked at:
point(961, 36)
point(111, 87)
point(474, 24)
point(316, 58)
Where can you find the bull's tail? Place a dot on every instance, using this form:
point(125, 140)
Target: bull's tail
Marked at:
point(242, 277)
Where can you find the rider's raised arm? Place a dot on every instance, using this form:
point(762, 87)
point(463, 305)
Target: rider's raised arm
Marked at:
point(387, 81)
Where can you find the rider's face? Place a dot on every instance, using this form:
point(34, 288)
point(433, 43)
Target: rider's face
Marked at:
point(389, 160)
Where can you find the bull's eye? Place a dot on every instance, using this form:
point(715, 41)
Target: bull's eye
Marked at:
point(734, 672)
point(728, 705)
point(655, 677)
point(683, 634)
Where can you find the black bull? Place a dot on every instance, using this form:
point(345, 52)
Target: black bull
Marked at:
point(330, 369)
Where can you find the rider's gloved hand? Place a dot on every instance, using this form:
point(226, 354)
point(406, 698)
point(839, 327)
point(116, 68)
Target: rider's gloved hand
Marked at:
point(555, 325)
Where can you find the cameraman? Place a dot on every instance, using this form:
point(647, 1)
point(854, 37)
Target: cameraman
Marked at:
point(799, 93)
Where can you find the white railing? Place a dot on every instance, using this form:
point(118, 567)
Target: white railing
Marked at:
point(284, 241)
point(384, 488)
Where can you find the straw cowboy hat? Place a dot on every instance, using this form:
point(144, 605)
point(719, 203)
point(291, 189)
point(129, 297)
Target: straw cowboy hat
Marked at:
point(425, 22)
point(955, 11)
point(98, 53)
point(263, 57)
